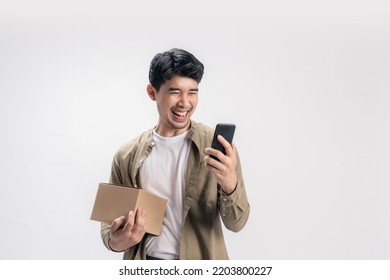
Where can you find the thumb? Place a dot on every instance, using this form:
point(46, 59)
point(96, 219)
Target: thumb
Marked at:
point(117, 223)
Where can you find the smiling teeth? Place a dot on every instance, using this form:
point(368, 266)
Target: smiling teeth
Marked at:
point(180, 113)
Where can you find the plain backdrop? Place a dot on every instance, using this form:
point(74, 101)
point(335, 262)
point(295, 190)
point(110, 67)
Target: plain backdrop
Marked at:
point(306, 82)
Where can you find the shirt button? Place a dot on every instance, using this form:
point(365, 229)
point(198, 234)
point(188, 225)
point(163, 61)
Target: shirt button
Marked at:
point(224, 199)
point(224, 214)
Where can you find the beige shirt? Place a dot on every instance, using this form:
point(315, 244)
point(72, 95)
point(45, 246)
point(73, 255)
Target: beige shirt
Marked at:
point(205, 205)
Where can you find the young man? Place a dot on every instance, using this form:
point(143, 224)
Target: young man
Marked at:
point(174, 161)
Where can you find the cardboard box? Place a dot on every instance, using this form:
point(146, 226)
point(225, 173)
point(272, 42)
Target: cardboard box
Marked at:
point(113, 201)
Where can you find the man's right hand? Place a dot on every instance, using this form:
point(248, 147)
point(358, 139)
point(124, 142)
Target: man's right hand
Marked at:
point(125, 233)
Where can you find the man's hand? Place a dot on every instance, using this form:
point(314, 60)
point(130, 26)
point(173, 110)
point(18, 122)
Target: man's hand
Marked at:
point(223, 170)
point(125, 233)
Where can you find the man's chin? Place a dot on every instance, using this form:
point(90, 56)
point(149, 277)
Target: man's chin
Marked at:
point(181, 125)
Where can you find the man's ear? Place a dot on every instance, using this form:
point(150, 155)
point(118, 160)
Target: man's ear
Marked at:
point(151, 92)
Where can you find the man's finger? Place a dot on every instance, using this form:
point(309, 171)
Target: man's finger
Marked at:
point(226, 145)
point(140, 221)
point(213, 163)
point(130, 221)
point(117, 223)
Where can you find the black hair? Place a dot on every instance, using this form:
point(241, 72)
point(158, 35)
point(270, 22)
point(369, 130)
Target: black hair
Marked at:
point(174, 62)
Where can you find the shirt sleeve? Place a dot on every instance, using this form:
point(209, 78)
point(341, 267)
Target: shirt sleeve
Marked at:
point(115, 178)
point(234, 208)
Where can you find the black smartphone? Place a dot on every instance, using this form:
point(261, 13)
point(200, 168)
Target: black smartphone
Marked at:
point(227, 131)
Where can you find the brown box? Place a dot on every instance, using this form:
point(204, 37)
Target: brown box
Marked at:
point(113, 201)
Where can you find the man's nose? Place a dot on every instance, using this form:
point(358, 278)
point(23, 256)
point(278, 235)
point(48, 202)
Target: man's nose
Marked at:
point(184, 100)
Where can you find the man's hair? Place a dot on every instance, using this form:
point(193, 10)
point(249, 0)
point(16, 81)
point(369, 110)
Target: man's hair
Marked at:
point(175, 62)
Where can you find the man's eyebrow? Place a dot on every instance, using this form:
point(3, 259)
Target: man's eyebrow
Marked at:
point(178, 89)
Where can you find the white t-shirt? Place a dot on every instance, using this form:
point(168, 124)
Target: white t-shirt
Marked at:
point(163, 173)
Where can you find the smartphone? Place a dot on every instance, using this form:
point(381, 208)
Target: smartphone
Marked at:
point(227, 131)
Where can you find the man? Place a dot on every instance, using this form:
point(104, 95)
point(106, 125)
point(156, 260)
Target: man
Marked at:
point(174, 161)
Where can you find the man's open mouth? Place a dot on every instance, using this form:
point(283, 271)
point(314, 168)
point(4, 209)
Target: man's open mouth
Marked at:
point(180, 113)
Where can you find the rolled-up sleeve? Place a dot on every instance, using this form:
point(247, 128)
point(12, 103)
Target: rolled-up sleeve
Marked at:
point(235, 208)
point(114, 179)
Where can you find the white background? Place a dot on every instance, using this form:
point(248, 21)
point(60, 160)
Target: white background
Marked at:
point(306, 84)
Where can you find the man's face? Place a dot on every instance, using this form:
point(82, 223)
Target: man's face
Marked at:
point(176, 101)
